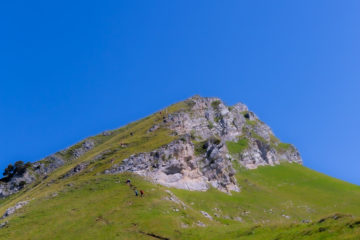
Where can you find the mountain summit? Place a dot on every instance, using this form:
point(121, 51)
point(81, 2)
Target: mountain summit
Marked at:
point(208, 139)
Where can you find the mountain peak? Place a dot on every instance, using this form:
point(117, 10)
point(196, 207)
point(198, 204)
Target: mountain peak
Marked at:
point(195, 144)
point(210, 138)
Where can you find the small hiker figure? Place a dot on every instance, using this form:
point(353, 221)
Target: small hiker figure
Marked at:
point(136, 192)
point(128, 182)
point(141, 193)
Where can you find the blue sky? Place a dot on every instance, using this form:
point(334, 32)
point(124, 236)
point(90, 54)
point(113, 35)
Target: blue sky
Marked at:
point(71, 69)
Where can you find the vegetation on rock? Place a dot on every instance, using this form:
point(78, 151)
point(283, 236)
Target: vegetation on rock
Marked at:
point(239, 146)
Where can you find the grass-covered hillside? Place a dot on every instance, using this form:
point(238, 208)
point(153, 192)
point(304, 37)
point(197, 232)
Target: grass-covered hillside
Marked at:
point(287, 201)
point(283, 202)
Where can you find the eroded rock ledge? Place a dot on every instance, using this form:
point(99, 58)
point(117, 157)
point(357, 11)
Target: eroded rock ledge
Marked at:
point(177, 165)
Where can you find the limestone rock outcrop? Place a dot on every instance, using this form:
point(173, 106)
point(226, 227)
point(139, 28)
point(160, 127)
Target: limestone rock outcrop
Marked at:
point(202, 158)
point(177, 165)
point(44, 167)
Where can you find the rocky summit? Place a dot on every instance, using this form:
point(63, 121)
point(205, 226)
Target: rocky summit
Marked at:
point(210, 138)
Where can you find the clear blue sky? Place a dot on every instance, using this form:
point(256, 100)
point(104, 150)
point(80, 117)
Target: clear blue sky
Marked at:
point(71, 69)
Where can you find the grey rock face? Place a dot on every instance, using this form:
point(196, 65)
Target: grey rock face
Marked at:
point(43, 168)
point(200, 224)
point(174, 199)
point(39, 169)
point(48, 164)
point(15, 184)
point(13, 209)
point(86, 146)
point(154, 128)
point(211, 117)
point(206, 215)
point(178, 165)
point(3, 224)
point(291, 155)
point(106, 133)
point(77, 169)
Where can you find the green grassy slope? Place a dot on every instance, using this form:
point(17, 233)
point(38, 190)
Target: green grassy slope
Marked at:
point(282, 202)
point(104, 207)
